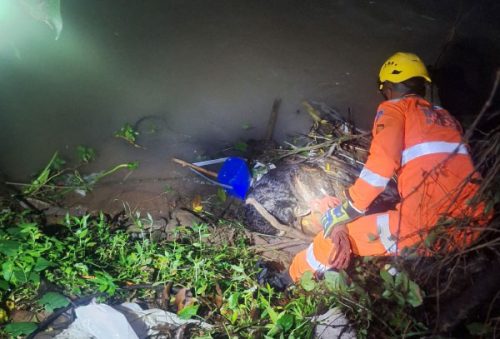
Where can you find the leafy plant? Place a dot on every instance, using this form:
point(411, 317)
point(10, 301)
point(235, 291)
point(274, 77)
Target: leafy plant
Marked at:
point(129, 134)
point(85, 154)
point(53, 182)
point(20, 328)
point(53, 300)
point(241, 146)
point(92, 255)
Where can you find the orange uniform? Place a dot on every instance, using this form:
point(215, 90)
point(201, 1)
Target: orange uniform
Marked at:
point(422, 145)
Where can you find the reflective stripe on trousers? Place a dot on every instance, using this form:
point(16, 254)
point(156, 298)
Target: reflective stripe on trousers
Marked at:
point(432, 147)
point(313, 262)
point(384, 231)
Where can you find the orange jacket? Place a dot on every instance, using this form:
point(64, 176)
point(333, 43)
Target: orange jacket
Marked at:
point(421, 144)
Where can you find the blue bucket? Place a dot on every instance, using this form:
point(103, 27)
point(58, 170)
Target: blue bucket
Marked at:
point(234, 173)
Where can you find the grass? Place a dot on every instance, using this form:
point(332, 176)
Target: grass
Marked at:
point(89, 254)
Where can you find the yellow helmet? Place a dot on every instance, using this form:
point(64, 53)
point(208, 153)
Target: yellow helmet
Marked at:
point(403, 66)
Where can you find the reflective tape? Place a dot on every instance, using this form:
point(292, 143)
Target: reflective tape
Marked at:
point(432, 147)
point(373, 178)
point(385, 236)
point(313, 262)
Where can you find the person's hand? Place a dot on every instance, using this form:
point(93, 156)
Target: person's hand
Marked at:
point(339, 215)
point(340, 257)
point(322, 205)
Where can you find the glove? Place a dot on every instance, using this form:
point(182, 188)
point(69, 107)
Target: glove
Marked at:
point(277, 280)
point(339, 215)
point(341, 257)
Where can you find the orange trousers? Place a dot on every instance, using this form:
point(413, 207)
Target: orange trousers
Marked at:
point(371, 235)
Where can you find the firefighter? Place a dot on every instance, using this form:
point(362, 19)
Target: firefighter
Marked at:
point(419, 143)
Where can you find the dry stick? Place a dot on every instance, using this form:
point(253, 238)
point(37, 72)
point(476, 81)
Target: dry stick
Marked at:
point(467, 136)
point(277, 246)
point(272, 119)
point(197, 168)
point(274, 222)
point(322, 145)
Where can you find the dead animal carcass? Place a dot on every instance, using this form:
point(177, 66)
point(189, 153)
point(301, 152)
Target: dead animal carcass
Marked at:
point(286, 191)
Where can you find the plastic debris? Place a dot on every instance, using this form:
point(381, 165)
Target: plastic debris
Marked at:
point(146, 322)
point(99, 321)
point(333, 324)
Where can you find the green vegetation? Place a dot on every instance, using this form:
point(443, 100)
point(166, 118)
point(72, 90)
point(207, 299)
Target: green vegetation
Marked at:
point(129, 134)
point(89, 254)
point(56, 180)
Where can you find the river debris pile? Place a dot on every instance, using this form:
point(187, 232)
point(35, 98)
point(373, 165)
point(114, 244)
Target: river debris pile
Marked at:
point(324, 162)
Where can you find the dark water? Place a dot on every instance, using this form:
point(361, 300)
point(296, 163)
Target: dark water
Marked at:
point(204, 71)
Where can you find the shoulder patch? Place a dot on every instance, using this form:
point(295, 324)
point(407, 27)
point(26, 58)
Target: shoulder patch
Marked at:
point(379, 114)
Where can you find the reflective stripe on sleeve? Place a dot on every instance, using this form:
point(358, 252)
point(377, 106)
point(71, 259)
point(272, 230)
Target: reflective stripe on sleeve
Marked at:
point(313, 262)
point(373, 178)
point(432, 147)
point(385, 235)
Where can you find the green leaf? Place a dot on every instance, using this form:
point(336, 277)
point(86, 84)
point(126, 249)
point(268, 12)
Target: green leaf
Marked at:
point(4, 285)
point(200, 290)
point(33, 277)
point(41, 264)
point(105, 282)
point(8, 270)
point(286, 321)
point(21, 328)
point(133, 165)
point(387, 277)
point(221, 195)
point(188, 311)
point(335, 281)
point(233, 300)
point(402, 281)
point(85, 154)
point(14, 231)
point(307, 281)
point(42, 178)
point(9, 247)
point(241, 146)
point(238, 269)
point(272, 313)
point(275, 329)
point(414, 297)
point(53, 300)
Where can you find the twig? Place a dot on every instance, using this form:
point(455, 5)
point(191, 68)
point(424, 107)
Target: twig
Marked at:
point(197, 168)
point(486, 106)
point(274, 222)
point(272, 119)
point(325, 144)
point(277, 246)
